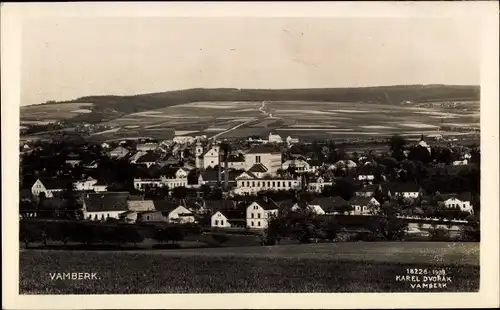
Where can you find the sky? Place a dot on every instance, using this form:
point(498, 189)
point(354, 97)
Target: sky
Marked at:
point(66, 58)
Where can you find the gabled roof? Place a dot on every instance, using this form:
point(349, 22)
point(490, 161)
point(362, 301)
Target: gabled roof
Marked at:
point(166, 205)
point(250, 174)
point(53, 183)
point(258, 168)
point(109, 201)
point(267, 204)
point(359, 201)
point(149, 157)
point(232, 214)
point(333, 203)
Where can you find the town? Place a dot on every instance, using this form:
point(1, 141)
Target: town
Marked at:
point(252, 184)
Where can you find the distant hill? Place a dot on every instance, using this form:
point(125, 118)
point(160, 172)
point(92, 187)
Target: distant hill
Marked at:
point(120, 105)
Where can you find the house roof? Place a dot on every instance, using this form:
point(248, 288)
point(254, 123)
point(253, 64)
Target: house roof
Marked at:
point(263, 149)
point(149, 157)
point(233, 214)
point(258, 168)
point(166, 205)
point(210, 175)
point(333, 203)
point(53, 183)
point(217, 205)
point(109, 201)
point(119, 149)
point(250, 174)
point(267, 204)
point(359, 201)
point(168, 172)
point(367, 189)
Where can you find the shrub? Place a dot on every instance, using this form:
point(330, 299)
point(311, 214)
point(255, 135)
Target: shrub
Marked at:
point(439, 234)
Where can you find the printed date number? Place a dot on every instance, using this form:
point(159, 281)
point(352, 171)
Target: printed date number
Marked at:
point(420, 271)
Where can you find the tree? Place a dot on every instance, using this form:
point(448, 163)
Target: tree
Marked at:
point(179, 192)
point(397, 143)
point(344, 188)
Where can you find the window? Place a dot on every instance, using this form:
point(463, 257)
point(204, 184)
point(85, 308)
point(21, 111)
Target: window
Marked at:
point(95, 217)
point(216, 222)
point(253, 183)
point(279, 184)
point(251, 224)
point(212, 162)
point(258, 184)
point(289, 184)
point(268, 184)
point(222, 222)
point(248, 183)
point(251, 215)
point(255, 208)
point(258, 215)
point(258, 223)
point(257, 159)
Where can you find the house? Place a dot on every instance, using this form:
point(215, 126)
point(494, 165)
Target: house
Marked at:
point(269, 157)
point(139, 204)
point(460, 162)
point(366, 174)
point(211, 157)
point(255, 139)
point(149, 159)
point(228, 218)
point(367, 191)
point(462, 201)
point(290, 140)
point(363, 205)
point(90, 184)
point(248, 183)
point(314, 165)
point(141, 184)
point(317, 185)
point(174, 177)
point(101, 206)
point(236, 162)
point(406, 190)
point(48, 186)
point(174, 212)
point(259, 212)
point(149, 146)
point(335, 205)
point(274, 138)
point(118, 152)
point(299, 165)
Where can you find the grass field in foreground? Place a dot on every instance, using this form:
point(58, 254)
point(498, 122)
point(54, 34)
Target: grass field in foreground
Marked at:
point(297, 268)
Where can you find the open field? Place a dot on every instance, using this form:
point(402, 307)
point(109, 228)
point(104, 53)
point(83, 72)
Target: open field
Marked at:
point(345, 267)
point(54, 112)
point(305, 120)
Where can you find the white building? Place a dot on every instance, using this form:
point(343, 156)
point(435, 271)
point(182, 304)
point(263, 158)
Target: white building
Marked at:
point(291, 140)
point(211, 157)
point(460, 162)
point(249, 184)
point(141, 184)
point(102, 206)
point(259, 212)
point(174, 177)
point(269, 158)
point(274, 138)
point(299, 165)
point(318, 185)
point(463, 204)
point(228, 218)
point(47, 186)
point(90, 184)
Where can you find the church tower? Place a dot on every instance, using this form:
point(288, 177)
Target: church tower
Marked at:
point(199, 155)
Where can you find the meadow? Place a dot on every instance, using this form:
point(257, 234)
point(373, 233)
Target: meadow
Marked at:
point(343, 267)
point(305, 120)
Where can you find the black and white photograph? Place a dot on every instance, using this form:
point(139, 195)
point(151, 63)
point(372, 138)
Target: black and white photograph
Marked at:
point(211, 154)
